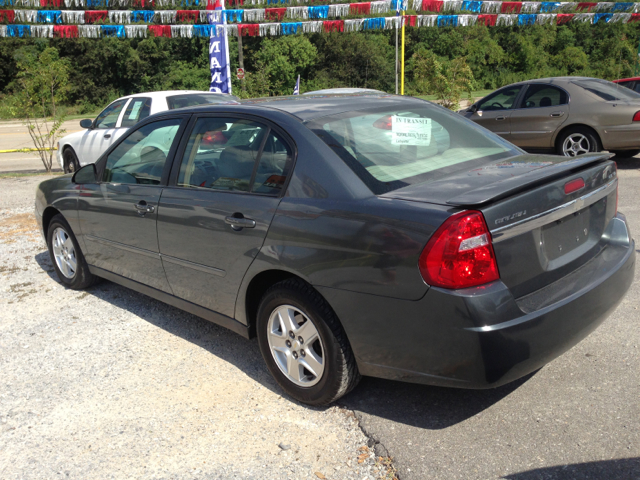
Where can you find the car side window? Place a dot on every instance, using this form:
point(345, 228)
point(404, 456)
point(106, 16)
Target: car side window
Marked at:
point(637, 87)
point(141, 157)
point(501, 100)
point(544, 96)
point(234, 154)
point(138, 109)
point(109, 116)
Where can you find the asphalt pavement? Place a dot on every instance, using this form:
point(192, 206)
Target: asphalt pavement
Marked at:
point(14, 135)
point(576, 418)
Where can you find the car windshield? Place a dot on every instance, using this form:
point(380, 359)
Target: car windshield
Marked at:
point(390, 149)
point(607, 90)
point(193, 99)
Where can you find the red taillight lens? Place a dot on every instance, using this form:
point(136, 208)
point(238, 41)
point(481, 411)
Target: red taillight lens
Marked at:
point(459, 254)
point(383, 123)
point(636, 117)
point(573, 186)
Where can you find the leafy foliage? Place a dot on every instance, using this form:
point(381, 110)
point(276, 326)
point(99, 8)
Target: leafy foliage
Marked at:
point(447, 79)
point(105, 69)
point(44, 83)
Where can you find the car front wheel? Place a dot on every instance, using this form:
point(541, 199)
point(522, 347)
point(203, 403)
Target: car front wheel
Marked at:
point(71, 164)
point(304, 345)
point(66, 256)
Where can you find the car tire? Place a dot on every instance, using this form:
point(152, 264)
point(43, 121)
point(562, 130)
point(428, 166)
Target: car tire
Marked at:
point(66, 256)
point(71, 164)
point(625, 153)
point(576, 141)
point(325, 351)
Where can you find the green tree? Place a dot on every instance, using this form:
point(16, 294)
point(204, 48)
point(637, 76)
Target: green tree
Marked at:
point(43, 85)
point(447, 79)
point(282, 59)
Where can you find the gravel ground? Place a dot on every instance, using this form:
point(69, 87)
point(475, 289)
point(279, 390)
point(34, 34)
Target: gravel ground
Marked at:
point(108, 383)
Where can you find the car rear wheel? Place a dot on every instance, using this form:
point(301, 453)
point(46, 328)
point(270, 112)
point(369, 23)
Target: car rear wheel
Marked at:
point(625, 153)
point(577, 141)
point(71, 164)
point(66, 256)
point(304, 345)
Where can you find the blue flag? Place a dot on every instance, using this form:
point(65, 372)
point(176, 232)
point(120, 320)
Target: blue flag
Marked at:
point(219, 51)
point(296, 89)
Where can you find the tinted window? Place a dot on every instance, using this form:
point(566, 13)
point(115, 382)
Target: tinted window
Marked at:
point(141, 157)
point(607, 90)
point(222, 154)
point(389, 149)
point(109, 116)
point(191, 99)
point(501, 100)
point(626, 84)
point(637, 87)
point(137, 109)
point(543, 96)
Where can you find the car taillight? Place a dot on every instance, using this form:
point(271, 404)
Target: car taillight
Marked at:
point(573, 186)
point(460, 253)
point(636, 117)
point(383, 123)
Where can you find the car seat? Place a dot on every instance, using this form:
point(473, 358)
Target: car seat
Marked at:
point(545, 102)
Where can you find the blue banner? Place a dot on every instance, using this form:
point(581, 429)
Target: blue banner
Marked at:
point(219, 52)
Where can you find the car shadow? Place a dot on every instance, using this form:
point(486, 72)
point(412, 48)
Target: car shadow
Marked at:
point(627, 163)
point(628, 468)
point(422, 406)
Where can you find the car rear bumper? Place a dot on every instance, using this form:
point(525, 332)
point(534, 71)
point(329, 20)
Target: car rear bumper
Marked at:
point(482, 337)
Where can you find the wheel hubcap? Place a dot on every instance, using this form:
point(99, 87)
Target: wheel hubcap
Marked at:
point(64, 253)
point(296, 346)
point(576, 144)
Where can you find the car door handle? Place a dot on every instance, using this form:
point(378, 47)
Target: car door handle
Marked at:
point(557, 114)
point(239, 222)
point(501, 118)
point(107, 135)
point(143, 208)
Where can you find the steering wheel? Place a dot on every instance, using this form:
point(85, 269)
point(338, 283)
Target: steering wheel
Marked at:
point(498, 104)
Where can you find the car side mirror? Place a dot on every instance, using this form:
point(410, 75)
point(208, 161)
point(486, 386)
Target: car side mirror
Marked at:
point(87, 174)
point(473, 108)
point(86, 123)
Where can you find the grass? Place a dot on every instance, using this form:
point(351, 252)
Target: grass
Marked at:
point(26, 174)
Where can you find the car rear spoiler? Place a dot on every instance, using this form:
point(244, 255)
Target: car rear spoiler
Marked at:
point(512, 185)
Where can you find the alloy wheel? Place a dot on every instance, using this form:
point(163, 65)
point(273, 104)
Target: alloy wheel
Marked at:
point(576, 144)
point(296, 346)
point(64, 253)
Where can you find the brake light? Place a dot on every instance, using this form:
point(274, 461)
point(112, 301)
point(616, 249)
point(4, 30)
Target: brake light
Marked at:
point(573, 186)
point(460, 253)
point(636, 117)
point(383, 123)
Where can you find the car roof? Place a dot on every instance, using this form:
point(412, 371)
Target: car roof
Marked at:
point(309, 107)
point(341, 90)
point(169, 93)
point(626, 79)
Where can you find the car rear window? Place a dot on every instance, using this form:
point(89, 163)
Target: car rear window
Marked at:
point(390, 149)
point(607, 90)
point(193, 99)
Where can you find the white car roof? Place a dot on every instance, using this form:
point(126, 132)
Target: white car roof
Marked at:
point(168, 93)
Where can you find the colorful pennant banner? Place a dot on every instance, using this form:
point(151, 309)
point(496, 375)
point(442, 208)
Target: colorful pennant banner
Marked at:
point(292, 28)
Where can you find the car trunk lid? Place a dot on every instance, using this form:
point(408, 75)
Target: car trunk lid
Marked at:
point(539, 232)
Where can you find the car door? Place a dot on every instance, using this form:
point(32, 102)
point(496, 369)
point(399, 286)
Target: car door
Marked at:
point(117, 215)
point(540, 112)
point(214, 216)
point(494, 111)
point(103, 133)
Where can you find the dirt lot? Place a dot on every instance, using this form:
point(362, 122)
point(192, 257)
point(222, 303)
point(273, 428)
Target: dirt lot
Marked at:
point(108, 383)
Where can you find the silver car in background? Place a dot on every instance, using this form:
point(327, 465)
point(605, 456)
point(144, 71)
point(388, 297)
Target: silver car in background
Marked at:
point(568, 115)
point(80, 148)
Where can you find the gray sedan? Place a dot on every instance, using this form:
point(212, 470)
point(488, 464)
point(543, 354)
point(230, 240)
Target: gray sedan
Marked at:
point(569, 115)
point(352, 235)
